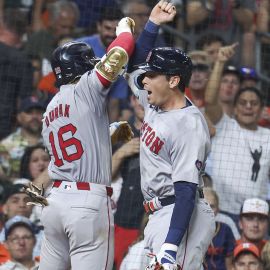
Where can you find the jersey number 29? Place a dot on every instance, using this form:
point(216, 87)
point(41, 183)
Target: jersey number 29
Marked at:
point(64, 144)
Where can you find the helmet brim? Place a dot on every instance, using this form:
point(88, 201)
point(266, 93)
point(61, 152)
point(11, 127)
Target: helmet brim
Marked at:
point(147, 67)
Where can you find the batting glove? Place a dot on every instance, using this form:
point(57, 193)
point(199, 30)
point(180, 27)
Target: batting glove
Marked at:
point(125, 25)
point(165, 259)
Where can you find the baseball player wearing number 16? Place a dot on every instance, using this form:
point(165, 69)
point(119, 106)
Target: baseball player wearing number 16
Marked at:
point(78, 221)
point(174, 144)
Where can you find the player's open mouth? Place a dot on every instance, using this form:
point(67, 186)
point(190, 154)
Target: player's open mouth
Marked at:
point(149, 93)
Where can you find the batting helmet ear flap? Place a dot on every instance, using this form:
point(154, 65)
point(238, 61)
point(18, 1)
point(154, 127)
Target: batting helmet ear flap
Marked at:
point(139, 79)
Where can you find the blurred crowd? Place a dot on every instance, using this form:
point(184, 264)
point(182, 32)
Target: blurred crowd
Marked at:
point(227, 84)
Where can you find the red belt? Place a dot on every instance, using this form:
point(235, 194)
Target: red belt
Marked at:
point(83, 186)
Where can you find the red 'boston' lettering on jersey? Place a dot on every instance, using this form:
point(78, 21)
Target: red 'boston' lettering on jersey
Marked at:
point(156, 145)
point(143, 127)
point(59, 111)
point(148, 129)
point(148, 136)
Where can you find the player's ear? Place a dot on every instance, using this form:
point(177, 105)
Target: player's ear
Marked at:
point(174, 81)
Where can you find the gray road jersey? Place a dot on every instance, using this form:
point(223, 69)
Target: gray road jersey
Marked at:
point(76, 132)
point(174, 146)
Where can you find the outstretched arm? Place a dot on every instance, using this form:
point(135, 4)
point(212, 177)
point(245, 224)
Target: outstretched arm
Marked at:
point(163, 12)
point(118, 53)
point(212, 107)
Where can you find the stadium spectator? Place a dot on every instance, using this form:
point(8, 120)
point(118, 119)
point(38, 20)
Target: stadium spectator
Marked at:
point(246, 256)
point(254, 222)
point(262, 28)
point(222, 86)
point(125, 161)
point(265, 256)
point(63, 18)
point(13, 27)
point(20, 241)
point(249, 77)
point(198, 82)
point(136, 257)
point(210, 43)
point(231, 18)
point(34, 161)
point(14, 204)
point(265, 117)
point(229, 86)
point(219, 253)
point(91, 12)
point(15, 69)
point(28, 133)
point(40, 16)
point(200, 75)
point(239, 162)
point(37, 75)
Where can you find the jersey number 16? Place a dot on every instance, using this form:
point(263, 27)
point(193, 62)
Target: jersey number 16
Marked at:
point(64, 144)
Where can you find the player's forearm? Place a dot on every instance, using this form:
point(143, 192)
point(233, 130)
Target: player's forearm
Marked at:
point(144, 44)
point(185, 194)
point(118, 54)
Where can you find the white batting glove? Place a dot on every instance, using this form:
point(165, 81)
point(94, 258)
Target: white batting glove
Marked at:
point(164, 260)
point(125, 25)
point(132, 80)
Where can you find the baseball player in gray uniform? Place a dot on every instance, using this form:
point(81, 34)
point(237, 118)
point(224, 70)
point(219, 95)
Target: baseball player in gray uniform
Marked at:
point(78, 221)
point(174, 144)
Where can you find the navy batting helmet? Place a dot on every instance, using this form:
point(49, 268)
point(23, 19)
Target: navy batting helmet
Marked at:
point(71, 61)
point(169, 61)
